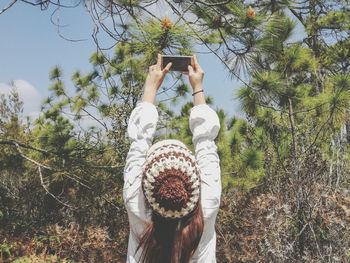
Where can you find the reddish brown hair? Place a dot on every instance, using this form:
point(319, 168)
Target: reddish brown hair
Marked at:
point(172, 240)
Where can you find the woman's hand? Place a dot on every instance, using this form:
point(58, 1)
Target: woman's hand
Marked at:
point(195, 75)
point(154, 80)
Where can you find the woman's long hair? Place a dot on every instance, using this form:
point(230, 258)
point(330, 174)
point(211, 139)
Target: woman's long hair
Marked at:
point(172, 240)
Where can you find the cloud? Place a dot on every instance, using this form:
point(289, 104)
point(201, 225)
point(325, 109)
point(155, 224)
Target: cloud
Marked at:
point(28, 94)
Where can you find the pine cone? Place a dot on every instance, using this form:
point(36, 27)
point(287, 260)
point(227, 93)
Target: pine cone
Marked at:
point(251, 12)
point(166, 23)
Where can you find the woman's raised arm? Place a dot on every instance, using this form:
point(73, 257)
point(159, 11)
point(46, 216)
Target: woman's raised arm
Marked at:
point(141, 128)
point(205, 125)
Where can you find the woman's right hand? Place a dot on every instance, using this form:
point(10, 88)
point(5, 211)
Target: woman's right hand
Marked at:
point(195, 75)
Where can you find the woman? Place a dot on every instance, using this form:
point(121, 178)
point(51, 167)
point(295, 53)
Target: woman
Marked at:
point(172, 197)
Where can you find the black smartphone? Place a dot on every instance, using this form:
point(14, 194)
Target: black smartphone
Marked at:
point(179, 63)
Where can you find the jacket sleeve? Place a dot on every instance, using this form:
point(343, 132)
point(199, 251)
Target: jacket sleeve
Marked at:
point(141, 129)
point(205, 126)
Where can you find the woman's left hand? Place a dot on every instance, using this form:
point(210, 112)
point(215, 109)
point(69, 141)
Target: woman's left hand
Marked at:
point(154, 79)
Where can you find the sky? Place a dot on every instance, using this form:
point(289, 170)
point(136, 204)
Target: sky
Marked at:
point(30, 46)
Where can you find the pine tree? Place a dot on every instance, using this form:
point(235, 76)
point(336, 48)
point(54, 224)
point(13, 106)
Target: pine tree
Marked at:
point(301, 102)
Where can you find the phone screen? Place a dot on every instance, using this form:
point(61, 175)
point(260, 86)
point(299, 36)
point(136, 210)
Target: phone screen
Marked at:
point(179, 63)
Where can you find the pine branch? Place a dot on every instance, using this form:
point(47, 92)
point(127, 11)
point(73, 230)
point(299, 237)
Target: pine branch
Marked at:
point(40, 166)
point(49, 193)
point(8, 6)
point(22, 145)
point(214, 4)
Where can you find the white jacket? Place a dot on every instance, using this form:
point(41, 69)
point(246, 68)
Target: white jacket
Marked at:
point(204, 124)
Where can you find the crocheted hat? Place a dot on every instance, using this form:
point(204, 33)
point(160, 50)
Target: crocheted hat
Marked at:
point(171, 179)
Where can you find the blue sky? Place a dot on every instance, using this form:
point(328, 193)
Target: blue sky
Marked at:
point(30, 47)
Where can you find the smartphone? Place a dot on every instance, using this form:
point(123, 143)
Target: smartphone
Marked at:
point(180, 63)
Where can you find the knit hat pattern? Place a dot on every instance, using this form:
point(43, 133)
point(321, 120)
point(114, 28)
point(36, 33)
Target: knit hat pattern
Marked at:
point(171, 179)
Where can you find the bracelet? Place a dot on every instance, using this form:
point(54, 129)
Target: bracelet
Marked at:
point(197, 92)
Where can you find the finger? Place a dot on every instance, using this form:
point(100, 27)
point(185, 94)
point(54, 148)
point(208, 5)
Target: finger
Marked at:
point(167, 68)
point(159, 60)
point(192, 61)
point(195, 61)
point(196, 64)
point(190, 70)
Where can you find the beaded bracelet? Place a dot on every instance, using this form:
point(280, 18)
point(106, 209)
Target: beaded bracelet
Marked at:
point(197, 92)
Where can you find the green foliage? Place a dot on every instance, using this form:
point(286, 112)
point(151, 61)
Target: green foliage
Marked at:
point(55, 73)
point(55, 135)
point(249, 100)
point(153, 37)
point(241, 161)
point(5, 250)
point(97, 59)
point(252, 158)
point(277, 31)
point(296, 100)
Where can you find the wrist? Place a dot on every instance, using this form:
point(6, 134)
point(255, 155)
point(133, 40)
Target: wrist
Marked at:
point(150, 88)
point(198, 91)
point(149, 94)
point(148, 99)
point(197, 87)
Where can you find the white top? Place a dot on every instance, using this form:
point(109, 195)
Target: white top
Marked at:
point(204, 124)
